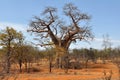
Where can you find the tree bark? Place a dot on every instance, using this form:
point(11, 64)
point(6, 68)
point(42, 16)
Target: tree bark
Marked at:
point(50, 65)
point(62, 58)
point(86, 64)
point(8, 58)
point(66, 64)
point(26, 67)
point(58, 61)
point(20, 65)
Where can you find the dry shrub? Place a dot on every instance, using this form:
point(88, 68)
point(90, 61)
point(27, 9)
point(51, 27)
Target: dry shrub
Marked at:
point(74, 65)
point(107, 75)
point(35, 69)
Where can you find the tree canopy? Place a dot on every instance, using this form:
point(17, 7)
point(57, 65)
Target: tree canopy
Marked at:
point(8, 38)
point(54, 30)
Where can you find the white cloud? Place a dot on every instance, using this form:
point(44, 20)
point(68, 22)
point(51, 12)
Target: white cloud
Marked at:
point(19, 27)
point(116, 41)
point(111, 40)
point(98, 39)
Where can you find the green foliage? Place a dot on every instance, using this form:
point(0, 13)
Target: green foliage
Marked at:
point(86, 53)
point(9, 34)
point(8, 38)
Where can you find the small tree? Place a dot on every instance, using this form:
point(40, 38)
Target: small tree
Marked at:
point(8, 37)
point(27, 55)
point(50, 55)
point(107, 45)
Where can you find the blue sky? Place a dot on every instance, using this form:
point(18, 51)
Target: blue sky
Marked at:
point(105, 16)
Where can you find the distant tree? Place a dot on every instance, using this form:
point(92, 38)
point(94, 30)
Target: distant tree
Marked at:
point(84, 55)
point(116, 58)
point(8, 37)
point(50, 57)
point(38, 55)
point(107, 46)
point(106, 41)
point(96, 54)
point(26, 54)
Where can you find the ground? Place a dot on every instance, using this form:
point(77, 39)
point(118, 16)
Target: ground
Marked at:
point(94, 72)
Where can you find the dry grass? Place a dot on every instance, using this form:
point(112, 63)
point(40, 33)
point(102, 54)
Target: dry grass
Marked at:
point(41, 72)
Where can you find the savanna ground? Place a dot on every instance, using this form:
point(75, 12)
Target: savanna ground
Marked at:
point(41, 72)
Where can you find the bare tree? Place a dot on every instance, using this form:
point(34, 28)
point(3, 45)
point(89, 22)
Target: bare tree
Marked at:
point(106, 41)
point(53, 30)
point(107, 45)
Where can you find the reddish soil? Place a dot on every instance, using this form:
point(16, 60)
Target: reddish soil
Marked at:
point(94, 72)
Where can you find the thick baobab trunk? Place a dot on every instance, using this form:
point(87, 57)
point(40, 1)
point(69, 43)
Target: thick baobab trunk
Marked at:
point(66, 63)
point(62, 58)
point(58, 60)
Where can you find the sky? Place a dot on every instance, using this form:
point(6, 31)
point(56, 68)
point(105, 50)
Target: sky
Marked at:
point(105, 17)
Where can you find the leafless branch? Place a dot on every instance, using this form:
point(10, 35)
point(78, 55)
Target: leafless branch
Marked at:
point(50, 26)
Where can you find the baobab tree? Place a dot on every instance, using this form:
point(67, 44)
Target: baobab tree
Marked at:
point(55, 31)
